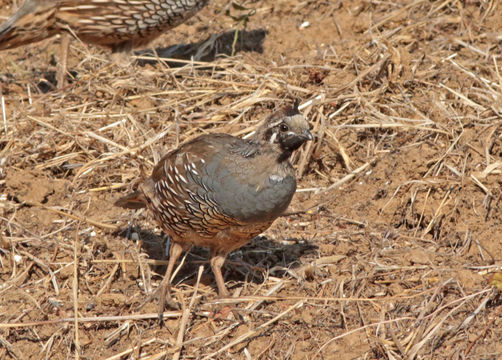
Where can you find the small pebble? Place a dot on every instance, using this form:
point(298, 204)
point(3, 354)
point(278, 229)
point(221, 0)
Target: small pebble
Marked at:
point(304, 25)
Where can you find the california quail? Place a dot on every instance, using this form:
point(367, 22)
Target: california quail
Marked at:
point(117, 24)
point(220, 191)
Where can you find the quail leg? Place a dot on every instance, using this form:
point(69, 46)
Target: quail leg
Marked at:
point(165, 286)
point(217, 260)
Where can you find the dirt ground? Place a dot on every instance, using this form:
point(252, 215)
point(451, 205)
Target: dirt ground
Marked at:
point(392, 245)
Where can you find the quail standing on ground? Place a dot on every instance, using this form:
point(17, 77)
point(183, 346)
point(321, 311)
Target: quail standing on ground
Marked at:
point(117, 24)
point(220, 191)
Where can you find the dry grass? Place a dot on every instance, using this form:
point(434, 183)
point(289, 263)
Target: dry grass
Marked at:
point(389, 245)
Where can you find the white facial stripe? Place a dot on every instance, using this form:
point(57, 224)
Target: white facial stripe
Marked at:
point(272, 138)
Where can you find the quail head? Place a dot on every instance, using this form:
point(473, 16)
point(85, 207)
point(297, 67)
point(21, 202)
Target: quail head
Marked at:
point(117, 24)
point(220, 191)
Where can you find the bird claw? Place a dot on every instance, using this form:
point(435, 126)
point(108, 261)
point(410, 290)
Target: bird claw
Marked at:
point(172, 304)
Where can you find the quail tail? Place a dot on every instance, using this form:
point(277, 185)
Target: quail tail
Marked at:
point(135, 200)
point(29, 24)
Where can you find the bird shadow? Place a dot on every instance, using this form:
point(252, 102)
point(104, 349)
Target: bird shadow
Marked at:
point(227, 43)
point(250, 263)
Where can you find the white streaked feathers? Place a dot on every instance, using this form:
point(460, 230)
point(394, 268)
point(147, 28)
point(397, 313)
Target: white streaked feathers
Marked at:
point(276, 178)
point(182, 178)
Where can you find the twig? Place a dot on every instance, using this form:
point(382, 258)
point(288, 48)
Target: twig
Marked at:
point(185, 316)
point(79, 217)
point(357, 330)
point(75, 293)
point(4, 115)
point(131, 349)
point(254, 331)
point(495, 317)
point(166, 315)
point(348, 177)
point(11, 349)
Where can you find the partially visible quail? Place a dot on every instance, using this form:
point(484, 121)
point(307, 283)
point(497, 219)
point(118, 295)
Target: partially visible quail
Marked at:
point(220, 191)
point(117, 24)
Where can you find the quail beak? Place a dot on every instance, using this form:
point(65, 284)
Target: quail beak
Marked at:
point(308, 135)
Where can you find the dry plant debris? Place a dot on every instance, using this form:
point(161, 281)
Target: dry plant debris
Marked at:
point(390, 248)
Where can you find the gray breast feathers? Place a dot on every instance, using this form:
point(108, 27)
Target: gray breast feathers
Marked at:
point(245, 192)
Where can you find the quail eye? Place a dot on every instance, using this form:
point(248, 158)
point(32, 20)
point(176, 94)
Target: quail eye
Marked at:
point(284, 127)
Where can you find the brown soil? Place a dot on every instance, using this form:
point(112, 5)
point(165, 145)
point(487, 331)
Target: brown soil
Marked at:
point(394, 255)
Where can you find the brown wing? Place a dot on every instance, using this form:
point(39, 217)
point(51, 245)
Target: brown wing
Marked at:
point(108, 23)
point(118, 24)
point(183, 200)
